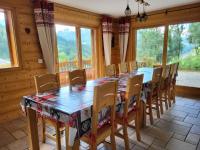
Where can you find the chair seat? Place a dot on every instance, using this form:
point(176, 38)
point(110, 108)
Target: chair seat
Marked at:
point(102, 133)
point(131, 116)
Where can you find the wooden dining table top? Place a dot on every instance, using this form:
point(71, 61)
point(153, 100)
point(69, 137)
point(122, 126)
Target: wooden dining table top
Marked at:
point(69, 101)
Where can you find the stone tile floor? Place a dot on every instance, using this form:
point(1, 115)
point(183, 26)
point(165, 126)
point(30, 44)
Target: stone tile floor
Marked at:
point(177, 129)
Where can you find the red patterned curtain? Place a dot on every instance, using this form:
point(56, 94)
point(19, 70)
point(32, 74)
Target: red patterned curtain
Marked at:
point(44, 18)
point(124, 28)
point(107, 38)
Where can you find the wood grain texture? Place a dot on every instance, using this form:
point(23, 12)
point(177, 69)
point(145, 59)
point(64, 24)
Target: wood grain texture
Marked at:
point(17, 82)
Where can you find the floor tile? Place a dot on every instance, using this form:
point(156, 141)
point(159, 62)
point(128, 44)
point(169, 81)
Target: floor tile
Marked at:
point(195, 129)
point(6, 138)
point(193, 138)
point(18, 134)
point(20, 144)
point(175, 144)
point(192, 120)
point(179, 136)
point(178, 128)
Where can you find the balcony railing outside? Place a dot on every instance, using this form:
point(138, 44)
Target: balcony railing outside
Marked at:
point(66, 66)
point(72, 65)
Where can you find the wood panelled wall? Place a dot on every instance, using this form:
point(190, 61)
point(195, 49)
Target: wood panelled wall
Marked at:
point(17, 82)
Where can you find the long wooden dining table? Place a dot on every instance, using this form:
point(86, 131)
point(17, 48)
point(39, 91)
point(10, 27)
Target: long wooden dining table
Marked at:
point(71, 107)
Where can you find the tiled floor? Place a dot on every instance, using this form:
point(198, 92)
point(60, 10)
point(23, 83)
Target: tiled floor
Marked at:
point(178, 129)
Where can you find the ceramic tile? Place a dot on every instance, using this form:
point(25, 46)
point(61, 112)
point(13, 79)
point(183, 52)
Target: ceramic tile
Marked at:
point(175, 144)
point(193, 138)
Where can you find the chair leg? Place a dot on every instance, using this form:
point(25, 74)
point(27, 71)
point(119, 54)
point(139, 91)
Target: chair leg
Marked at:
point(113, 143)
point(151, 114)
point(173, 96)
point(43, 131)
point(137, 127)
point(166, 99)
point(157, 108)
point(160, 103)
point(126, 140)
point(169, 97)
point(58, 142)
point(93, 146)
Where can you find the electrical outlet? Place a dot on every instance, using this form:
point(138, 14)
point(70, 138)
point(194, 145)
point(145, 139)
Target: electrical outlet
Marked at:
point(40, 61)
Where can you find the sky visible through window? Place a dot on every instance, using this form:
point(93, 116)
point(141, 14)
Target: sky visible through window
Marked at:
point(4, 47)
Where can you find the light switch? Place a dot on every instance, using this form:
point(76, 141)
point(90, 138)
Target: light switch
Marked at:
point(40, 61)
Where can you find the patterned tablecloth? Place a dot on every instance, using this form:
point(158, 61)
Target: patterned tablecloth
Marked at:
point(74, 107)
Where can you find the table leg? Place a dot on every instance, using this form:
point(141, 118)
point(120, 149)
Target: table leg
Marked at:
point(143, 114)
point(76, 144)
point(68, 147)
point(32, 129)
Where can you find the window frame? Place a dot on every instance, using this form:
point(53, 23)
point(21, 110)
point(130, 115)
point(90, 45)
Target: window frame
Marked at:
point(78, 42)
point(165, 41)
point(164, 34)
point(13, 40)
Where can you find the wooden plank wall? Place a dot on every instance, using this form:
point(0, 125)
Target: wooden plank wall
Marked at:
point(14, 83)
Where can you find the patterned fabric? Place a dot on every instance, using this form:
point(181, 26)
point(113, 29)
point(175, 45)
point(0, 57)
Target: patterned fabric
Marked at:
point(107, 38)
point(44, 12)
point(44, 18)
point(59, 105)
point(107, 24)
point(124, 27)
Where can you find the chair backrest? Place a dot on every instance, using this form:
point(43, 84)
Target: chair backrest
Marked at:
point(77, 77)
point(133, 92)
point(176, 65)
point(166, 72)
point(133, 65)
point(123, 68)
point(104, 97)
point(157, 75)
point(111, 70)
point(46, 82)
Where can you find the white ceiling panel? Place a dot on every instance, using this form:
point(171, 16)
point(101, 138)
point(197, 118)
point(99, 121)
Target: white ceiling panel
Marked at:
point(116, 8)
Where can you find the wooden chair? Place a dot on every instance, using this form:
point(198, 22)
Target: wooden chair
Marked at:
point(165, 87)
point(131, 109)
point(153, 101)
point(111, 70)
point(44, 83)
point(173, 81)
point(123, 68)
point(104, 97)
point(133, 65)
point(77, 77)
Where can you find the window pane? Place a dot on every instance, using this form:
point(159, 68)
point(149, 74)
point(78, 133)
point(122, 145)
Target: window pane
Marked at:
point(86, 43)
point(150, 45)
point(67, 50)
point(184, 46)
point(4, 46)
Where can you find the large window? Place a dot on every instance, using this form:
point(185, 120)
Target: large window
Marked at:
point(184, 47)
point(150, 45)
point(74, 47)
point(8, 51)
point(67, 49)
point(86, 44)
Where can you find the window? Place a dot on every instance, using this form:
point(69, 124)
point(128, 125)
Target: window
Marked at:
point(86, 45)
point(184, 47)
point(150, 45)
point(67, 49)
point(74, 48)
point(8, 50)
